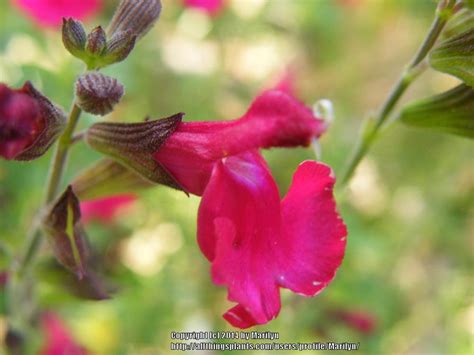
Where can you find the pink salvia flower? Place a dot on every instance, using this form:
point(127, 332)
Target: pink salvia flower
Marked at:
point(49, 13)
point(58, 341)
point(212, 7)
point(256, 243)
point(105, 209)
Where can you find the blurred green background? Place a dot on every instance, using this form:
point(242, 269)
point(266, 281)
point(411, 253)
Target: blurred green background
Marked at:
point(409, 210)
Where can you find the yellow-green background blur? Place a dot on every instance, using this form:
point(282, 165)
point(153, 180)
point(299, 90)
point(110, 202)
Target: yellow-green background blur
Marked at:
point(409, 211)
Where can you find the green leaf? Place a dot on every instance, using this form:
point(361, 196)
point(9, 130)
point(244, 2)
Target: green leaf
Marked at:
point(450, 112)
point(455, 56)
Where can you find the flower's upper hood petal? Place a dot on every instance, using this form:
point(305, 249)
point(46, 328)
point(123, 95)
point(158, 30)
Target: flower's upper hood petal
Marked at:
point(275, 119)
point(238, 223)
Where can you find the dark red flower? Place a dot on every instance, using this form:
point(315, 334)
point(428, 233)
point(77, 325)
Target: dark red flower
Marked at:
point(58, 340)
point(49, 13)
point(20, 121)
point(29, 123)
point(255, 242)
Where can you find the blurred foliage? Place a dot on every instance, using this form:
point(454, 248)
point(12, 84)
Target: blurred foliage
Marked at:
point(409, 210)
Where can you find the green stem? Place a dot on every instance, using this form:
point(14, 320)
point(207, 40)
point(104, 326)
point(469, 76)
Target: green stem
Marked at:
point(58, 166)
point(413, 70)
point(60, 157)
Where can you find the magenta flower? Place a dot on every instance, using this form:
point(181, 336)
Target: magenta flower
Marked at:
point(256, 243)
point(49, 13)
point(58, 341)
point(105, 209)
point(362, 321)
point(29, 123)
point(212, 7)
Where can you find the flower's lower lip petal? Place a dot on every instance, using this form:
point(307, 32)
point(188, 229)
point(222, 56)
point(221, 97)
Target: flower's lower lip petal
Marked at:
point(257, 244)
point(315, 236)
point(239, 317)
point(239, 218)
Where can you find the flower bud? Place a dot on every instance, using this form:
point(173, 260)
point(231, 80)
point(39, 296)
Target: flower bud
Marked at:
point(133, 145)
point(29, 123)
point(67, 236)
point(97, 93)
point(96, 42)
point(74, 37)
point(137, 16)
point(118, 47)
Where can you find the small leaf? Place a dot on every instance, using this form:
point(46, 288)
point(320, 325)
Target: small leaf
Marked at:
point(450, 112)
point(66, 234)
point(133, 145)
point(107, 178)
point(455, 56)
